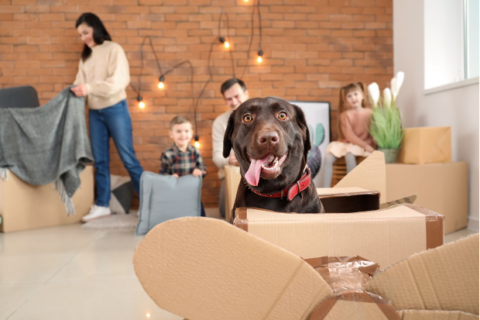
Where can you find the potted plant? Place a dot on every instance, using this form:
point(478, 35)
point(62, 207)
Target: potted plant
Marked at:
point(386, 123)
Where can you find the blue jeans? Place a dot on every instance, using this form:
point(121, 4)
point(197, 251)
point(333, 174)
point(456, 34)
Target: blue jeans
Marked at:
point(112, 122)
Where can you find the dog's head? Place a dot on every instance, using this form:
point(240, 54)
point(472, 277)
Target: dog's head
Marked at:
point(271, 140)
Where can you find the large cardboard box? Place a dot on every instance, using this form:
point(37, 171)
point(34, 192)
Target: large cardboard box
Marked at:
point(426, 145)
point(24, 207)
point(206, 269)
point(383, 236)
point(441, 187)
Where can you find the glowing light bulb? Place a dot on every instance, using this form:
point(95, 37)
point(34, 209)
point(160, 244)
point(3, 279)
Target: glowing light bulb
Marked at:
point(226, 44)
point(141, 104)
point(161, 85)
point(148, 315)
point(259, 58)
point(196, 143)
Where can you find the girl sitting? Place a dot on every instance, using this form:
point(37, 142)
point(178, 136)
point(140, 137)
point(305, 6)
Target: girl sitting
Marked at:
point(354, 138)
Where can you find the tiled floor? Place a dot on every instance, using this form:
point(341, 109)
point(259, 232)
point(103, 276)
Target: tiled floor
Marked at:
point(66, 273)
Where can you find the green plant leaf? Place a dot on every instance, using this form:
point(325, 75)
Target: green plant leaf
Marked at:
point(386, 126)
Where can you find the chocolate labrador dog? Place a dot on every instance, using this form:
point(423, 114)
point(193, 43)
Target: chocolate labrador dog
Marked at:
point(270, 138)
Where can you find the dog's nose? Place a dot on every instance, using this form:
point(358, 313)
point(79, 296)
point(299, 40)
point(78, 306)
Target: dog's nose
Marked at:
point(268, 138)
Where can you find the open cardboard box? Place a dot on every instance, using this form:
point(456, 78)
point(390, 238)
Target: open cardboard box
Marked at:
point(383, 236)
point(202, 268)
point(355, 225)
point(207, 269)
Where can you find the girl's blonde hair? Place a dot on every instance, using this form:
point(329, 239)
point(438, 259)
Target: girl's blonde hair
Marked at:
point(358, 86)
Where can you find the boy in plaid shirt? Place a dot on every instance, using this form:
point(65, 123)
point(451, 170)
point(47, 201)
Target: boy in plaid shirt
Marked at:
point(182, 158)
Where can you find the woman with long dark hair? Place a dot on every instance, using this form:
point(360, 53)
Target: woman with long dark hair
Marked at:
point(103, 75)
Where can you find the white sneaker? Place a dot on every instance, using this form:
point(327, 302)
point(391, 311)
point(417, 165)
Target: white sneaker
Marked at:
point(97, 212)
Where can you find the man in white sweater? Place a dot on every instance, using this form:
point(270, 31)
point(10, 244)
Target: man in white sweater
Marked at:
point(235, 93)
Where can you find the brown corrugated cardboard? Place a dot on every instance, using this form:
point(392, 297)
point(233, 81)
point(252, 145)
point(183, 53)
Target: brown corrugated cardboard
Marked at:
point(355, 305)
point(370, 175)
point(347, 200)
point(442, 188)
point(24, 207)
point(232, 180)
point(436, 315)
point(442, 279)
point(202, 268)
point(206, 269)
point(409, 199)
point(426, 145)
point(383, 236)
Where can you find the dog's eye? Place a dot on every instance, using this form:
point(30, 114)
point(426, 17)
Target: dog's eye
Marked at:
point(247, 118)
point(282, 116)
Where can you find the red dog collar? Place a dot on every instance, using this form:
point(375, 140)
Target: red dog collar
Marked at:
point(294, 189)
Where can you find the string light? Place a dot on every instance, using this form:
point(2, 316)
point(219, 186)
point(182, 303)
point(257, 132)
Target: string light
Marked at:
point(141, 104)
point(161, 85)
point(197, 143)
point(225, 42)
point(259, 58)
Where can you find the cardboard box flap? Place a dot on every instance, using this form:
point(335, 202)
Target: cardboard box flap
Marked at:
point(370, 174)
point(445, 278)
point(331, 192)
point(355, 305)
point(382, 236)
point(436, 315)
point(207, 269)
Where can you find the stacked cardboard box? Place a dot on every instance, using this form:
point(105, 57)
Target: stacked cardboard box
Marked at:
point(425, 169)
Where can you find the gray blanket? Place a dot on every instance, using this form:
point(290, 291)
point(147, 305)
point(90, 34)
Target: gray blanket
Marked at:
point(47, 144)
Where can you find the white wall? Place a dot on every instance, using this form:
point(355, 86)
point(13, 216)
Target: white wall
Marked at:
point(456, 107)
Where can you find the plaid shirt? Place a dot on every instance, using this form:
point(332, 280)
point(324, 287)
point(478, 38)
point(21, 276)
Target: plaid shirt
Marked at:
point(181, 163)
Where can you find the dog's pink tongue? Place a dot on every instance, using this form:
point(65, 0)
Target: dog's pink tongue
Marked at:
point(253, 173)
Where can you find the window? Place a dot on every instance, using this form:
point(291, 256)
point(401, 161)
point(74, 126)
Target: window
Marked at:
point(451, 41)
point(471, 34)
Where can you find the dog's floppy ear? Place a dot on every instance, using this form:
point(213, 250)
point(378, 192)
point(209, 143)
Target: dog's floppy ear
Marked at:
point(227, 139)
point(302, 123)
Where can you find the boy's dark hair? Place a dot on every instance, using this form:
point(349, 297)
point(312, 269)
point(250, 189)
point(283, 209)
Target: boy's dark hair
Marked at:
point(230, 83)
point(178, 120)
point(100, 33)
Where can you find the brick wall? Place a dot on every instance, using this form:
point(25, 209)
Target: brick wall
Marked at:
point(311, 48)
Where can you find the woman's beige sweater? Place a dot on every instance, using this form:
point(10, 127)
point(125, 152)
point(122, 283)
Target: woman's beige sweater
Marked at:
point(106, 74)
